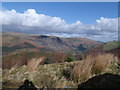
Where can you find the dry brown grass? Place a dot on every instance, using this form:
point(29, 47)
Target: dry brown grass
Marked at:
point(31, 60)
point(91, 65)
point(34, 63)
point(17, 60)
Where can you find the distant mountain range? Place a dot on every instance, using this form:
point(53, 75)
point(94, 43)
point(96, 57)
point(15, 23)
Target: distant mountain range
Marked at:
point(16, 42)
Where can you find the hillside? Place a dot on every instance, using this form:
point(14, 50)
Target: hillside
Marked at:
point(18, 48)
point(45, 75)
point(17, 41)
point(108, 47)
point(61, 75)
point(55, 62)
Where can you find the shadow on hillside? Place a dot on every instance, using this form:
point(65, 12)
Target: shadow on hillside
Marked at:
point(102, 81)
point(27, 86)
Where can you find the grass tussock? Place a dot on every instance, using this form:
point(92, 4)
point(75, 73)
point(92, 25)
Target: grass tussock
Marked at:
point(17, 60)
point(34, 63)
point(91, 66)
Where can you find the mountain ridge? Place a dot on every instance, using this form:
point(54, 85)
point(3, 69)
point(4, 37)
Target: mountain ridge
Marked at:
point(45, 42)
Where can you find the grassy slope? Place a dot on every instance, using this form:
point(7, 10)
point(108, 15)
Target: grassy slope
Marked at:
point(50, 75)
point(111, 45)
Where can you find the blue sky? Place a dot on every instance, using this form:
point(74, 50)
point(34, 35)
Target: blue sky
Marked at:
point(86, 12)
point(94, 20)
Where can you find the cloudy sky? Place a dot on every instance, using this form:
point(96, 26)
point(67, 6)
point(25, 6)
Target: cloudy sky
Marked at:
point(97, 21)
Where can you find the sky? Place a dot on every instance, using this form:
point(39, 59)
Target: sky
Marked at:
point(97, 21)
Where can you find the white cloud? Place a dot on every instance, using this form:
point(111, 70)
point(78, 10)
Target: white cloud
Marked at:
point(32, 22)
